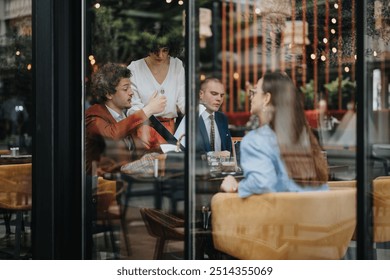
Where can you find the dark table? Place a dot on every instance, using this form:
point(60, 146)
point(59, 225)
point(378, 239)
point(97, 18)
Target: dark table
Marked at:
point(8, 159)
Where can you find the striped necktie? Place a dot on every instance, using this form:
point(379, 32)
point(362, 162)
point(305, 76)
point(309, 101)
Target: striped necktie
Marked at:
point(212, 133)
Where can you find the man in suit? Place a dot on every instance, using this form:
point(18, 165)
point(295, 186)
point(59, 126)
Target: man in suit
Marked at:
point(111, 136)
point(213, 132)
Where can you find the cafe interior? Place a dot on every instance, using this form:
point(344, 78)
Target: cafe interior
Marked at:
point(334, 51)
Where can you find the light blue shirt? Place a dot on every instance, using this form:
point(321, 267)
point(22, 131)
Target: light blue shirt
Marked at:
point(264, 169)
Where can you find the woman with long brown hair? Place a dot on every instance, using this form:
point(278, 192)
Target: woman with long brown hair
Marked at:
point(282, 155)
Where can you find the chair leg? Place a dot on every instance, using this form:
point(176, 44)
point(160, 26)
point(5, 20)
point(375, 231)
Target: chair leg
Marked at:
point(125, 235)
point(7, 222)
point(18, 232)
point(159, 249)
point(112, 239)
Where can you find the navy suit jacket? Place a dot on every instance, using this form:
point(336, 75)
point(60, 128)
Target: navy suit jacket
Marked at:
point(202, 138)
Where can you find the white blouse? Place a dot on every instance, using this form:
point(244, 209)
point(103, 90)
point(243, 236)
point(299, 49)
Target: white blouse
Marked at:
point(144, 85)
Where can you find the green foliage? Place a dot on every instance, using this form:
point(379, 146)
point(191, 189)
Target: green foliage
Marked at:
point(347, 88)
point(113, 37)
point(308, 93)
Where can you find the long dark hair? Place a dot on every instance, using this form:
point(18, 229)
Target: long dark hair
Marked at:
point(299, 148)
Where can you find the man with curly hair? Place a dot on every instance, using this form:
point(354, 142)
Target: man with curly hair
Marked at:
point(111, 136)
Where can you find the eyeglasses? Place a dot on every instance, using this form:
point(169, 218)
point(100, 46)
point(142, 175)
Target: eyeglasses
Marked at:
point(252, 92)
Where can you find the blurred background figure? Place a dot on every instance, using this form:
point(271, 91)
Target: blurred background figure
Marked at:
point(345, 133)
point(327, 124)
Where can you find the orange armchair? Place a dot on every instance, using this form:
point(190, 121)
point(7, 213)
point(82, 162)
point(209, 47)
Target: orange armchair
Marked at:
point(307, 225)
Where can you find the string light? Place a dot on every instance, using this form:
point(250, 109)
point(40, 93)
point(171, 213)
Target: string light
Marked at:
point(346, 69)
point(168, 1)
point(323, 57)
point(336, 6)
point(180, 2)
point(313, 56)
point(29, 66)
point(17, 53)
point(333, 31)
point(97, 5)
point(257, 11)
point(325, 40)
point(333, 20)
point(334, 50)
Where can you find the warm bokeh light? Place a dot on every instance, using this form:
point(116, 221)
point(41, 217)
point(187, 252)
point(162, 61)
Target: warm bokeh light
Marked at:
point(346, 69)
point(333, 31)
point(355, 56)
point(334, 50)
point(334, 20)
point(91, 57)
point(93, 61)
point(323, 57)
point(313, 56)
point(236, 75)
point(97, 5)
point(202, 77)
point(17, 53)
point(257, 11)
point(325, 40)
point(168, 1)
point(29, 66)
point(336, 6)
point(180, 2)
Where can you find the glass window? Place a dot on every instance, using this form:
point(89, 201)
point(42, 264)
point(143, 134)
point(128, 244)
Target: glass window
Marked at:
point(278, 91)
point(16, 112)
point(313, 44)
point(137, 190)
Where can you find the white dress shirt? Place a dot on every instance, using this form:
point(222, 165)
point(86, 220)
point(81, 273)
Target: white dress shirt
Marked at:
point(205, 115)
point(144, 84)
point(118, 117)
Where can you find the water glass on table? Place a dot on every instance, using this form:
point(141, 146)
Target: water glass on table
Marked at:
point(228, 164)
point(214, 162)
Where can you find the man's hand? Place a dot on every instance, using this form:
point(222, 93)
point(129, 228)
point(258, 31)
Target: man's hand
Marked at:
point(156, 104)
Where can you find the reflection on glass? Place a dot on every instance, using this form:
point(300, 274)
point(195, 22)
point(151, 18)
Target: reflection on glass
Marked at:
point(137, 190)
point(15, 128)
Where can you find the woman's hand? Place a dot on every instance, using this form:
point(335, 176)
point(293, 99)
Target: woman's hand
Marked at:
point(155, 105)
point(229, 184)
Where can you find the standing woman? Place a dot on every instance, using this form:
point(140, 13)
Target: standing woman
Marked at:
point(160, 71)
point(282, 155)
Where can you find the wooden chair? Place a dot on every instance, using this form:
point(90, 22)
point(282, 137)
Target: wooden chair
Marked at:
point(15, 195)
point(163, 227)
point(381, 209)
point(108, 211)
point(306, 225)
